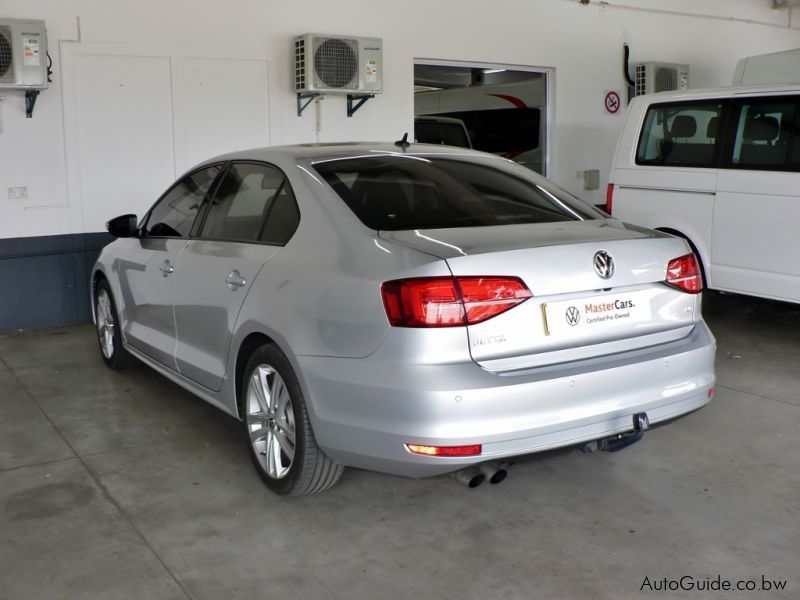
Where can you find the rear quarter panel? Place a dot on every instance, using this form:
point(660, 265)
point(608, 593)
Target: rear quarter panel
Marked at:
point(321, 294)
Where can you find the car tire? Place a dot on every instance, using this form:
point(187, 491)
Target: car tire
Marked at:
point(108, 331)
point(278, 430)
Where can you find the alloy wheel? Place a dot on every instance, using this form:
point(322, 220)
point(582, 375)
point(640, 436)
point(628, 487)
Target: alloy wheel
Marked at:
point(106, 326)
point(270, 421)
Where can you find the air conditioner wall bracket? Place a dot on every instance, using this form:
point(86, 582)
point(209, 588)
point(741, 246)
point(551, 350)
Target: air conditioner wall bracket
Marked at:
point(356, 101)
point(308, 97)
point(30, 102)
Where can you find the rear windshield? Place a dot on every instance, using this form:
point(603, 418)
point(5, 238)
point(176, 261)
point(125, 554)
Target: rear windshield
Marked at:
point(411, 192)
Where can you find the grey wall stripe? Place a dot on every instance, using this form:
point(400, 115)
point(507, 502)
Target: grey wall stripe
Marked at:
point(44, 280)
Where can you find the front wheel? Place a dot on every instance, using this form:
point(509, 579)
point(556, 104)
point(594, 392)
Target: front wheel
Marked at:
point(108, 331)
point(279, 435)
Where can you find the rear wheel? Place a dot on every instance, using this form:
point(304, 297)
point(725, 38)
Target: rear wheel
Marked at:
point(279, 435)
point(108, 333)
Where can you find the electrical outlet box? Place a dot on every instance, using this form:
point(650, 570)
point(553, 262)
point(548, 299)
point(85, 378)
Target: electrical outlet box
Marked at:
point(591, 179)
point(18, 193)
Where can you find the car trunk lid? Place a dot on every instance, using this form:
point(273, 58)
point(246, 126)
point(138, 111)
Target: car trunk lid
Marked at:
point(574, 313)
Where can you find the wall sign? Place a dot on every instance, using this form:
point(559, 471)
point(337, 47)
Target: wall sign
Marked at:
point(612, 102)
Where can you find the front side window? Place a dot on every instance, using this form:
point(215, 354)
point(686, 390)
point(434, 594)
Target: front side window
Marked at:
point(254, 203)
point(410, 192)
point(681, 134)
point(175, 213)
point(765, 134)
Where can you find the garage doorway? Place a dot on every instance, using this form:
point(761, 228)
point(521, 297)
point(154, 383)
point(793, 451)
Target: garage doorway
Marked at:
point(494, 108)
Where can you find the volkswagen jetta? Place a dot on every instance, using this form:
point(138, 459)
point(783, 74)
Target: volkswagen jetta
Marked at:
point(414, 310)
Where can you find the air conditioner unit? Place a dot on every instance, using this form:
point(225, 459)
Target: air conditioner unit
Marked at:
point(337, 64)
point(23, 54)
point(654, 77)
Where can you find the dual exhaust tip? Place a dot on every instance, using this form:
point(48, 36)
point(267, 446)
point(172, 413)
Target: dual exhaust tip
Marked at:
point(472, 477)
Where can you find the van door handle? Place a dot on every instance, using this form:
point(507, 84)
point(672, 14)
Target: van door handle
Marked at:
point(235, 280)
point(166, 268)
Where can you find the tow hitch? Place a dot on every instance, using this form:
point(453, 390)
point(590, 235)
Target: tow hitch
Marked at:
point(622, 440)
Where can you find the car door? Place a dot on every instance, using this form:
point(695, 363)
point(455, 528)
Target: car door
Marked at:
point(755, 243)
point(250, 217)
point(146, 274)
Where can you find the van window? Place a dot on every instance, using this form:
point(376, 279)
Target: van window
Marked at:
point(450, 132)
point(765, 132)
point(681, 134)
point(794, 157)
point(506, 131)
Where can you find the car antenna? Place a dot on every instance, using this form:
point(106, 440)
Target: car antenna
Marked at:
point(403, 143)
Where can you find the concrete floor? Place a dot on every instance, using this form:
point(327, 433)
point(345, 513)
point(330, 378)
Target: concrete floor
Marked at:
point(122, 485)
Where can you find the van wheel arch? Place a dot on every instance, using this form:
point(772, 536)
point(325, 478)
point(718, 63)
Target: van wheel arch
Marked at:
point(692, 245)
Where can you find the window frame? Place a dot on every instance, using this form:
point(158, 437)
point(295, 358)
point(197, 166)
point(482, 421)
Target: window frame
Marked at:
point(719, 141)
point(734, 111)
point(142, 227)
point(205, 208)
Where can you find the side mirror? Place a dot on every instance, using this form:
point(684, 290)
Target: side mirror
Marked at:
point(122, 227)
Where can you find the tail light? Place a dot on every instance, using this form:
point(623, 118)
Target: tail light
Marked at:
point(684, 273)
point(450, 301)
point(609, 198)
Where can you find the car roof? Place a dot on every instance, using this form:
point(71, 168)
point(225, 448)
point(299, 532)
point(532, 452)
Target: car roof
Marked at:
point(723, 92)
point(320, 152)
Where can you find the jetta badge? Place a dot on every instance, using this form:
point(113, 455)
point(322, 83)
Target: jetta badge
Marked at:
point(603, 264)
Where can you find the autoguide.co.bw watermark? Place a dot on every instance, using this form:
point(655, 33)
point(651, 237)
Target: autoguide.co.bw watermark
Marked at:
point(715, 584)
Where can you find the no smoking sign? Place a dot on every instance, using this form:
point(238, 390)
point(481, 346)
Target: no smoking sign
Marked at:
point(612, 102)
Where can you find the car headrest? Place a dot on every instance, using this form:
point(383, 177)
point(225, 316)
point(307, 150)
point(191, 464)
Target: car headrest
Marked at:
point(385, 195)
point(684, 126)
point(711, 128)
point(761, 129)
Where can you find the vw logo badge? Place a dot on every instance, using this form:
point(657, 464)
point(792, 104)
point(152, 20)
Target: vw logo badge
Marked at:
point(573, 316)
point(603, 264)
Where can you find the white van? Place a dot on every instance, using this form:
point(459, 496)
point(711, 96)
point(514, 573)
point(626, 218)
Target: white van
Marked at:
point(720, 168)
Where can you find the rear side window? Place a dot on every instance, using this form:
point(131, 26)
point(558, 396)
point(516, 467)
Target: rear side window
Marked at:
point(175, 213)
point(254, 203)
point(765, 135)
point(681, 134)
point(411, 192)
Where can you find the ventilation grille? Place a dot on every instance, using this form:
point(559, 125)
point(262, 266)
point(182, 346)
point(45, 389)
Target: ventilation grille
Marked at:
point(640, 80)
point(299, 64)
point(336, 63)
point(666, 79)
point(6, 56)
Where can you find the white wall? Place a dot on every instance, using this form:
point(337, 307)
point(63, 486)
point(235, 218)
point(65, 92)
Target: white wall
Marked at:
point(582, 42)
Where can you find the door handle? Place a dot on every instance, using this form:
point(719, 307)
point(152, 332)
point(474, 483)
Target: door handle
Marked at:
point(166, 268)
point(235, 280)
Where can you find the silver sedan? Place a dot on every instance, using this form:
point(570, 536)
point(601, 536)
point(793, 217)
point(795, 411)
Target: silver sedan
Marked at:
point(414, 310)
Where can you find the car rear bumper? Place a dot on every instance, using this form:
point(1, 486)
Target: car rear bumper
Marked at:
point(365, 410)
